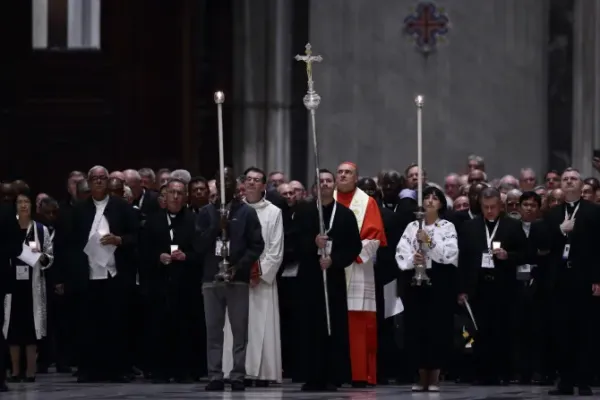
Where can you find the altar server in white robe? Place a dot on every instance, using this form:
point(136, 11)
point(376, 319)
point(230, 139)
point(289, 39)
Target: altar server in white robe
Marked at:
point(263, 354)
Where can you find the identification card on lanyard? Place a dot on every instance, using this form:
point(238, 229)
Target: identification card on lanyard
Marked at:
point(487, 259)
point(329, 244)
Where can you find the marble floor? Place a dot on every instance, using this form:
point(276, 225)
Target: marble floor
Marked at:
point(63, 387)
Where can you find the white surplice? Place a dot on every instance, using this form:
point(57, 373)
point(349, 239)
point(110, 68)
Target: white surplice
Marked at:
point(443, 248)
point(263, 354)
point(38, 285)
point(360, 277)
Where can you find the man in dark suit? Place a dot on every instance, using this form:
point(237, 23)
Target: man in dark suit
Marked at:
point(491, 247)
point(109, 223)
point(173, 267)
point(574, 282)
point(10, 247)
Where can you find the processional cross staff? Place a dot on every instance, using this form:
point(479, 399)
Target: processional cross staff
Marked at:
point(311, 101)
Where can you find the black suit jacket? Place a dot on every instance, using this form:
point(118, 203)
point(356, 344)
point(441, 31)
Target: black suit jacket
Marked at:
point(156, 240)
point(472, 243)
point(584, 241)
point(122, 222)
point(149, 205)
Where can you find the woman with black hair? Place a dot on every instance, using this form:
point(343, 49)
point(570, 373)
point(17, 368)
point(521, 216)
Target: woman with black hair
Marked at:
point(429, 308)
point(25, 307)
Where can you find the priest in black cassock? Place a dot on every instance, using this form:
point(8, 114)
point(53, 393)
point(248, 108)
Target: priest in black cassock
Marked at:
point(107, 222)
point(574, 282)
point(326, 358)
point(166, 250)
point(491, 246)
point(10, 247)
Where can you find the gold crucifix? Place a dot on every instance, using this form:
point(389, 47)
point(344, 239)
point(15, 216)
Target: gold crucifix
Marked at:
point(309, 59)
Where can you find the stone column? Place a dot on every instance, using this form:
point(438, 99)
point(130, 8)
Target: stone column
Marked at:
point(586, 84)
point(262, 84)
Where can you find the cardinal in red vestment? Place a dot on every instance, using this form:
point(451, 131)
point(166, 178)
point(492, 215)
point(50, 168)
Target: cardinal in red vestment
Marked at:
point(360, 276)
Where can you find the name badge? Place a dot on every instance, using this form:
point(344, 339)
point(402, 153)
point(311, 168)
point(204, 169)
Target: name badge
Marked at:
point(487, 261)
point(566, 251)
point(524, 268)
point(328, 247)
point(219, 247)
point(22, 272)
point(174, 247)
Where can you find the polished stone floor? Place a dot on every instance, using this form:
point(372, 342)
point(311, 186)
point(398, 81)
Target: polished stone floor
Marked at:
point(63, 387)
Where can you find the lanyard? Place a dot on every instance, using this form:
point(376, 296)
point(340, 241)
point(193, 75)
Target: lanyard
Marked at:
point(170, 224)
point(574, 212)
point(471, 215)
point(332, 217)
point(141, 202)
point(35, 234)
point(52, 235)
point(491, 237)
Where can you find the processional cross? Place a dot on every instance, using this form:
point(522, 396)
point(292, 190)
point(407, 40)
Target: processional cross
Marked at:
point(309, 59)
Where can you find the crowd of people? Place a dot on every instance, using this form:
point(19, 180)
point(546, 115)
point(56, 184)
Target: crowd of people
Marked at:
point(158, 275)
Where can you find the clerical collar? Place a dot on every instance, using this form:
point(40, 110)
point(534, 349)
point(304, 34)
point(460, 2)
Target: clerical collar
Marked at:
point(573, 203)
point(172, 215)
point(391, 206)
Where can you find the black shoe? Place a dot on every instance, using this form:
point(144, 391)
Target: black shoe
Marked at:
point(3, 387)
point(359, 384)
point(29, 379)
point(248, 382)
point(237, 386)
point(14, 379)
point(585, 390)
point(215, 386)
point(562, 391)
point(261, 384)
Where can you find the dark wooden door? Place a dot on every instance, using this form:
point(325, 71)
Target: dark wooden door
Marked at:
point(138, 101)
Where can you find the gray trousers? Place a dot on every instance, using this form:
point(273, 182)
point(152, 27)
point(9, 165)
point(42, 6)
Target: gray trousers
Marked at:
point(232, 297)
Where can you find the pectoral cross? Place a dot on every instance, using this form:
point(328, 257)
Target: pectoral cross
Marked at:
point(309, 59)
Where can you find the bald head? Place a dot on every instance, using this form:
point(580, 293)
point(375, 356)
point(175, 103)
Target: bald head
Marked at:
point(133, 179)
point(117, 174)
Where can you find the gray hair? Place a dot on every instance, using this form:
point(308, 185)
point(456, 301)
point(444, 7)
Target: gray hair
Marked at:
point(453, 175)
point(508, 182)
point(182, 174)
point(514, 192)
point(147, 173)
point(83, 186)
point(127, 191)
point(95, 167)
point(523, 170)
point(132, 174)
point(478, 159)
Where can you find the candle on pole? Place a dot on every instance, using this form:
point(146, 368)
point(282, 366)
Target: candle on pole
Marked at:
point(219, 100)
point(419, 100)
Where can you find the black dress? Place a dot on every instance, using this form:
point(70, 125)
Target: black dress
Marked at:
point(21, 329)
point(429, 310)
